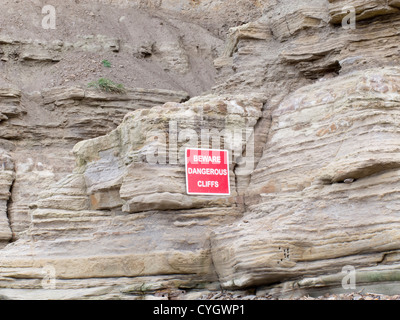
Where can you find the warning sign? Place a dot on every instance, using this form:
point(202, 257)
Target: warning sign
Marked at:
point(207, 171)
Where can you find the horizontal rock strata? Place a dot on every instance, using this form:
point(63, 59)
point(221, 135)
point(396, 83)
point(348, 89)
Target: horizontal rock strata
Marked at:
point(56, 119)
point(306, 106)
point(334, 175)
point(7, 176)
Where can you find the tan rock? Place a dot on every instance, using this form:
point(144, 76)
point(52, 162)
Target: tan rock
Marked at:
point(148, 145)
point(7, 176)
point(56, 119)
point(320, 102)
point(363, 9)
point(286, 21)
point(301, 220)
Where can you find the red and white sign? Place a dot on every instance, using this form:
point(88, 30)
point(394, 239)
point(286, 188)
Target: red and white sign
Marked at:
point(207, 171)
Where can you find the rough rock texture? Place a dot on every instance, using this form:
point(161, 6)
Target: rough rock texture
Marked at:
point(81, 226)
point(7, 176)
point(55, 120)
point(302, 215)
point(363, 9)
point(308, 110)
point(146, 47)
point(118, 167)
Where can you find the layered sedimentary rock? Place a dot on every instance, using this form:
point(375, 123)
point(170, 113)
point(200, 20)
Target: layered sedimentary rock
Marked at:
point(308, 110)
point(319, 198)
point(152, 143)
point(338, 9)
point(56, 119)
point(10, 104)
point(7, 176)
point(147, 48)
point(312, 193)
point(72, 113)
point(113, 217)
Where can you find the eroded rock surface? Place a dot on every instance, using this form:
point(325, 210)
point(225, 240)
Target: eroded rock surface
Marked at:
point(7, 176)
point(118, 199)
point(98, 197)
point(55, 120)
point(302, 215)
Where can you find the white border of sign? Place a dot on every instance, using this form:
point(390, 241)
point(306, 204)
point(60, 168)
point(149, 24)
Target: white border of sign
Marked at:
point(208, 194)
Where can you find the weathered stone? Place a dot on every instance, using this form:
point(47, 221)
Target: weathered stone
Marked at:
point(148, 144)
point(7, 176)
point(39, 56)
point(10, 103)
point(363, 9)
point(287, 21)
point(58, 118)
point(302, 217)
point(317, 110)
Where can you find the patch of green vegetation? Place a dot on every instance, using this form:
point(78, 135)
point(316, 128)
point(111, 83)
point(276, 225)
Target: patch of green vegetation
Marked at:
point(106, 85)
point(106, 63)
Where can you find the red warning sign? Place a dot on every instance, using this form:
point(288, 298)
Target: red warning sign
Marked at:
point(207, 171)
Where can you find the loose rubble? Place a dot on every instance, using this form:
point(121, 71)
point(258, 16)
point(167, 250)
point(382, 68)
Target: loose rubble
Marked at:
point(342, 296)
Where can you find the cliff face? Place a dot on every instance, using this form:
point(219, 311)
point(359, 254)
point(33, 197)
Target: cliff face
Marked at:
point(92, 184)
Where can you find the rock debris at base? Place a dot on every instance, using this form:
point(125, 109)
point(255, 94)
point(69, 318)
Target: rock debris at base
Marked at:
point(342, 296)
